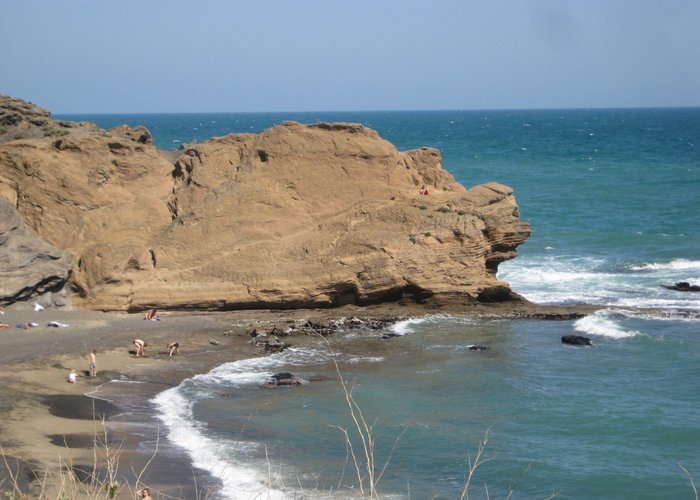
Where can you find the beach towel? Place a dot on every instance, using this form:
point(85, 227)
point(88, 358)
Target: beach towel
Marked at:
point(4, 325)
point(57, 324)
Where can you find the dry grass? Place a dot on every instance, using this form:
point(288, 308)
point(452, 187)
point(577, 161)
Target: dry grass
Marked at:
point(102, 481)
point(360, 443)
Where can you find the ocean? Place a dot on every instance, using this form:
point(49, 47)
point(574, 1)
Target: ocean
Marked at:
point(612, 197)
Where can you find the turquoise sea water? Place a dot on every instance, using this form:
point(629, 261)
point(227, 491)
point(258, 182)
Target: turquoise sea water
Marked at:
point(613, 199)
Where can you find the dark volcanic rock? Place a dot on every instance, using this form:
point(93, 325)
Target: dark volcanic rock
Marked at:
point(284, 378)
point(477, 348)
point(683, 286)
point(575, 340)
point(29, 266)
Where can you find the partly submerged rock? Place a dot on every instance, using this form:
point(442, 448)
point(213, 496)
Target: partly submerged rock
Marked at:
point(575, 340)
point(683, 286)
point(284, 378)
point(477, 348)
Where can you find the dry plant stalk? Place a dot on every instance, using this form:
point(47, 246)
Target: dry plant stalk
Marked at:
point(690, 478)
point(367, 476)
point(68, 485)
point(478, 460)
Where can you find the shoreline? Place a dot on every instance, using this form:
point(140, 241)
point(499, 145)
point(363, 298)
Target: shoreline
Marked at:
point(44, 417)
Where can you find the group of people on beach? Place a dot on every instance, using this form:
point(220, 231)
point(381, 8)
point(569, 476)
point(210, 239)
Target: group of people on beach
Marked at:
point(140, 345)
point(92, 368)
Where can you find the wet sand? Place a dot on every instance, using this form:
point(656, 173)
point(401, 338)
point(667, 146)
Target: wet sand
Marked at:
point(49, 425)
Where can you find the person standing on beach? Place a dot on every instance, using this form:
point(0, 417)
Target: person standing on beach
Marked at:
point(173, 347)
point(92, 363)
point(140, 347)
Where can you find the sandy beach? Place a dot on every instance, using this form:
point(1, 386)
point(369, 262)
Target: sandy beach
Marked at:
point(49, 425)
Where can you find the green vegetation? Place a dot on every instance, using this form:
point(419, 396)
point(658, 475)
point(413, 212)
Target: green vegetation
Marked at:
point(412, 238)
point(423, 207)
point(443, 210)
point(55, 132)
point(427, 235)
point(461, 212)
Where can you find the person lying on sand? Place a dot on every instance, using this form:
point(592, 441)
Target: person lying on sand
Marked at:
point(140, 347)
point(173, 347)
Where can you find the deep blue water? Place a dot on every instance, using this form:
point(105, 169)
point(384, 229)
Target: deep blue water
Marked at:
point(612, 197)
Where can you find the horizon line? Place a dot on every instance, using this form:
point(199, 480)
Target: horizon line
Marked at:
point(582, 108)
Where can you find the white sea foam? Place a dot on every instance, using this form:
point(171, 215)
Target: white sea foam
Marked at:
point(365, 359)
point(218, 456)
point(674, 265)
point(601, 323)
point(257, 370)
point(560, 279)
point(214, 456)
point(404, 327)
point(126, 381)
point(682, 315)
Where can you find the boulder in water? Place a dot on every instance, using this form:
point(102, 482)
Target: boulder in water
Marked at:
point(683, 286)
point(477, 347)
point(574, 339)
point(284, 378)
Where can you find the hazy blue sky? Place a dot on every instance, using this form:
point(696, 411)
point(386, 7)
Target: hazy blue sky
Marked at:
point(291, 55)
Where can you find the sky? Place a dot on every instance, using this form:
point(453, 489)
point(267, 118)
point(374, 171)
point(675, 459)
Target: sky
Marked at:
point(127, 56)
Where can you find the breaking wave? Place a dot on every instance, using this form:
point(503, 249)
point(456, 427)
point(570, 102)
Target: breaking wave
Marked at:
point(601, 323)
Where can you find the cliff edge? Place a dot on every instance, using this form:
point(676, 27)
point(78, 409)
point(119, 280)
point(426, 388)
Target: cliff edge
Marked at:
point(297, 216)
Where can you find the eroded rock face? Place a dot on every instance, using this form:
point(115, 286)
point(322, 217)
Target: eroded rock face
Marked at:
point(297, 216)
point(23, 120)
point(28, 265)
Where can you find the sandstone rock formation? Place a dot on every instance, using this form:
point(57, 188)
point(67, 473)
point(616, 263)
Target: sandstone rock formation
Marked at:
point(28, 265)
point(23, 120)
point(297, 216)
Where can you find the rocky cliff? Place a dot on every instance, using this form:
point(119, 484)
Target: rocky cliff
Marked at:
point(29, 266)
point(297, 216)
